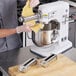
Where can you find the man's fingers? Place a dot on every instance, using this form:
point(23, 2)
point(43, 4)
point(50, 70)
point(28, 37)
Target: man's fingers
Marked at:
point(34, 3)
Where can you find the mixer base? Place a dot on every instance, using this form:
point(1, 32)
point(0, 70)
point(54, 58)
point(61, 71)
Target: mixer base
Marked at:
point(55, 49)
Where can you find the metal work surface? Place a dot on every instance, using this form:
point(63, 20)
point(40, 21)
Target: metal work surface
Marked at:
point(14, 57)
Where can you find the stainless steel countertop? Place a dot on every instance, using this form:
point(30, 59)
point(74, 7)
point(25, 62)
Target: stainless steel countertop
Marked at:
point(71, 54)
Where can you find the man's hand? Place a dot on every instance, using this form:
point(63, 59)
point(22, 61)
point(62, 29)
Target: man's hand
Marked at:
point(34, 3)
point(24, 28)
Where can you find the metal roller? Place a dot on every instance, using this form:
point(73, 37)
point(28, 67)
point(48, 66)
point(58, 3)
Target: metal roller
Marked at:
point(23, 67)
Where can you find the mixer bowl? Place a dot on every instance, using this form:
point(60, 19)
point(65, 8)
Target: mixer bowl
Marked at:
point(42, 38)
point(45, 36)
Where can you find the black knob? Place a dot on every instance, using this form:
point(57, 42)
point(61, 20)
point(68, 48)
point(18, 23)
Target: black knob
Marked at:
point(21, 19)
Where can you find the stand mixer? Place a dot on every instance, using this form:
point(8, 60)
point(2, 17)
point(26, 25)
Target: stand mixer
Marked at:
point(53, 37)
